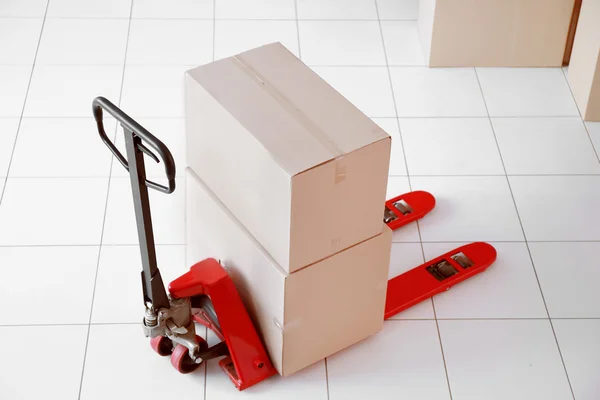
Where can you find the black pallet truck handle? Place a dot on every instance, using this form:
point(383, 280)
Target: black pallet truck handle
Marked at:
point(100, 103)
point(154, 293)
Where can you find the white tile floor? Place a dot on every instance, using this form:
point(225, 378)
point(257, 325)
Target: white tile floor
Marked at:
point(504, 151)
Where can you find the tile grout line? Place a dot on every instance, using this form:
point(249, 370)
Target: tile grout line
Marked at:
point(116, 128)
point(410, 188)
point(297, 28)
point(489, 175)
point(73, 324)
point(12, 154)
point(205, 364)
point(214, 24)
point(105, 65)
point(183, 244)
point(147, 116)
point(498, 319)
point(390, 176)
point(437, 326)
point(181, 176)
point(92, 245)
point(390, 320)
point(525, 236)
point(393, 96)
point(461, 116)
point(580, 116)
point(327, 378)
point(222, 19)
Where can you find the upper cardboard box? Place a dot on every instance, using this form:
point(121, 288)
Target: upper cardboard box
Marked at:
point(300, 166)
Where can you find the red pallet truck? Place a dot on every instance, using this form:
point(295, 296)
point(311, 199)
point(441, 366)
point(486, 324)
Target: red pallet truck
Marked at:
point(207, 295)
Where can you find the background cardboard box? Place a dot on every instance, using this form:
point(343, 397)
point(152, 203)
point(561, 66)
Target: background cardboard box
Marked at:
point(305, 316)
point(584, 67)
point(301, 167)
point(494, 33)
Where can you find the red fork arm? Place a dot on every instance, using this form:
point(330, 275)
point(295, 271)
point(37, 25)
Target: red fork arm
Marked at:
point(418, 284)
point(419, 203)
point(248, 362)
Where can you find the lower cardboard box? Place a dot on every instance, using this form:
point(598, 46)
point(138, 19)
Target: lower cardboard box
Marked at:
point(304, 316)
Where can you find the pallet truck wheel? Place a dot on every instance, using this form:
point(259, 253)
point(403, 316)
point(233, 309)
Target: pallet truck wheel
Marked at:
point(162, 345)
point(181, 360)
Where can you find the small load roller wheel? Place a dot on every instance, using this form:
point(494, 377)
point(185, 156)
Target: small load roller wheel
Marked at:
point(181, 360)
point(162, 345)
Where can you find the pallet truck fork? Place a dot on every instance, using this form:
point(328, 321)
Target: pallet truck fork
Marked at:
point(207, 295)
point(437, 275)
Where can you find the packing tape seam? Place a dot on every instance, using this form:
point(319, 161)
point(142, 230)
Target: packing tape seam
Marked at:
point(301, 117)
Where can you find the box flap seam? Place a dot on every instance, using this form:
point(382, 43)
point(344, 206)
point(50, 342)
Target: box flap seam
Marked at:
point(299, 116)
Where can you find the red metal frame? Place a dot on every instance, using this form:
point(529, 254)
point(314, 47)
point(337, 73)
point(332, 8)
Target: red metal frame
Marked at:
point(418, 284)
point(421, 203)
point(247, 362)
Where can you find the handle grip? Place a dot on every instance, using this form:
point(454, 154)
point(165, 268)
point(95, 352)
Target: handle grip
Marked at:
point(98, 105)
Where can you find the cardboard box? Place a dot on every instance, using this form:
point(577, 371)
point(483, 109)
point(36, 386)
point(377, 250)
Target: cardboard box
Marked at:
point(302, 168)
point(494, 33)
point(584, 67)
point(304, 316)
